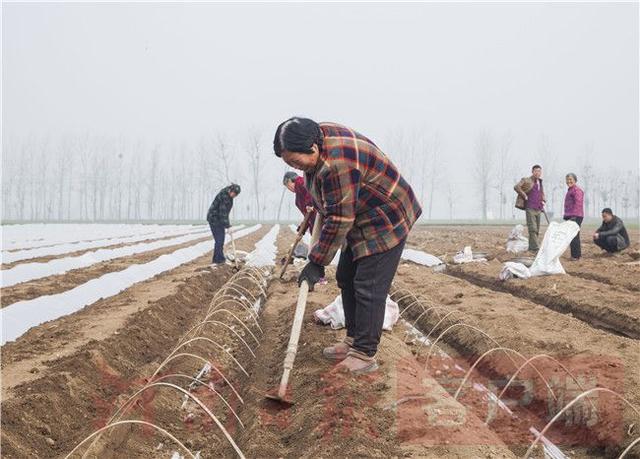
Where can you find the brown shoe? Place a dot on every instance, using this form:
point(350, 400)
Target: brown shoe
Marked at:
point(358, 363)
point(339, 350)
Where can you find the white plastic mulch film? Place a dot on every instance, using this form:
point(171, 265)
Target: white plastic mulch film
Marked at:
point(18, 317)
point(420, 257)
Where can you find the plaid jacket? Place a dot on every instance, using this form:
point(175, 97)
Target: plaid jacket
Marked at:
point(361, 196)
point(218, 214)
point(304, 199)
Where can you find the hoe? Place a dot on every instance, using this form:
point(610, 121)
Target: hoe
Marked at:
point(292, 347)
point(301, 230)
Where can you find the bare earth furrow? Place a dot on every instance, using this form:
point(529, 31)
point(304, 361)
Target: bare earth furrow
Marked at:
point(615, 310)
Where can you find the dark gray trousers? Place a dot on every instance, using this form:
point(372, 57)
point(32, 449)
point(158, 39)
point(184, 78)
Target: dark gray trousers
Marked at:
point(365, 284)
point(608, 243)
point(533, 226)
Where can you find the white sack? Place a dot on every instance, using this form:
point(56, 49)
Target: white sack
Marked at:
point(555, 242)
point(517, 242)
point(513, 269)
point(466, 256)
point(333, 314)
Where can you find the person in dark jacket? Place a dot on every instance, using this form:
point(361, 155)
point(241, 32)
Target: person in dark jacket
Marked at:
point(574, 210)
point(366, 210)
point(304, 201)
point(218, 218)
point(612, 236)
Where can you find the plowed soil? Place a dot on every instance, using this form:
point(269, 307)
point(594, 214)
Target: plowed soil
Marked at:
point(589, 320)
point(336, 415)
point(61, 380)
point(64, 379)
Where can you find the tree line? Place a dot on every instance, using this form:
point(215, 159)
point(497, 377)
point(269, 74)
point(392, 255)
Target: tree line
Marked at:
point(99, 178)
point(91, 178)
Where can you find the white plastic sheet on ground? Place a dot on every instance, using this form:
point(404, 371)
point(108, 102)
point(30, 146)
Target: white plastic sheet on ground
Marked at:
point(466, 256)
point(551, 451)
point(30, 271)
point(420, 257)
point(265, 252)
point(556, 240)
point(60, 249)
point(516, 241)
point(44, 234)
point(37, 234)
point(19, 317)
point(333, 314)
point(416, 256)
point(512, 269)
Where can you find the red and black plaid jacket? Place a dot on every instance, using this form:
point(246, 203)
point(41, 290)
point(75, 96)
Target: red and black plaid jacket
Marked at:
point(304, 200)
point(361, 196)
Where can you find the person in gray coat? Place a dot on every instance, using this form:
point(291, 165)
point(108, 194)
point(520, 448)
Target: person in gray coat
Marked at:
point(612, 236)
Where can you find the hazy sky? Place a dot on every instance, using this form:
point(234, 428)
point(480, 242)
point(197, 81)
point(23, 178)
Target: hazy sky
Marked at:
point(176, 71)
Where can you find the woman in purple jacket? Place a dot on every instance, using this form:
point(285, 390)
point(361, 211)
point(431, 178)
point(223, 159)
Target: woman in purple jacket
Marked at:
point(574, 210)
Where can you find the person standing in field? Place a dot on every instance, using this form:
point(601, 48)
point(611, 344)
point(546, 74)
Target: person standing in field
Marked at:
point(574, 210)
point(218, 218)
point(531, 199)
point(612, 236)
point(304, 201)
point(364, 207)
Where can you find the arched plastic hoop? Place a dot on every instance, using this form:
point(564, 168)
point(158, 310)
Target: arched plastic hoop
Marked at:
point(569, 405)
point(132, 421)
point(628, 448)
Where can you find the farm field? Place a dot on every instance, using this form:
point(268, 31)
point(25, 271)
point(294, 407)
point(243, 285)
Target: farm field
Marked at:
point(198, 197)
point(71, 359)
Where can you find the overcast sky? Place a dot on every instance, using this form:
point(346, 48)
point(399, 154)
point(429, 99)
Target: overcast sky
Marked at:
point(172, 72)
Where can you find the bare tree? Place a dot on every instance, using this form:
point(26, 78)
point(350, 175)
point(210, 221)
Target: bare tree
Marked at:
point(223, 156)
point(548, 159)
point(38, 169)
point(483, 168)
point(587, 177)
point(504, 169)
point(154, 159)
point(9, 181)
point(281, 196)
point(20, 166)
point(255, 155)
point(451, 198)
point(430, 172)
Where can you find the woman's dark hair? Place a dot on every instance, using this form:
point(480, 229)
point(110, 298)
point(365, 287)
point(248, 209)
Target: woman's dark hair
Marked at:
point(297, 135)
point(607, 210)
point(234, 188)
point(289, 177)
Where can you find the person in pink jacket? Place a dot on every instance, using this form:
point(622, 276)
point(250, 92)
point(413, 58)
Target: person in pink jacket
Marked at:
point(574, 210)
